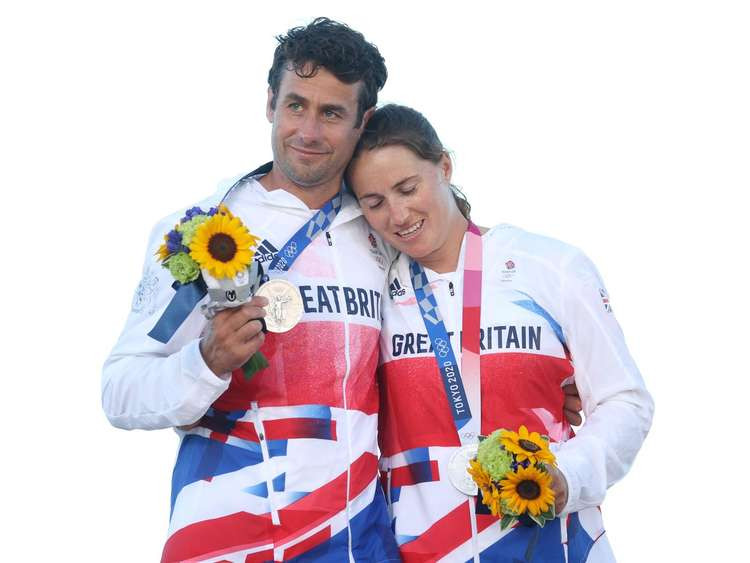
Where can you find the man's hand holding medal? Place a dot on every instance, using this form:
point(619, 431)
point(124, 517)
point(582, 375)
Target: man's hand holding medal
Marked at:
point(215, 250)
point(233, 336)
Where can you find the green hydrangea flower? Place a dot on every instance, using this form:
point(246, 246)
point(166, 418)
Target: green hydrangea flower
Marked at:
point(495, 460)
point(188, 228)
point(183, 268)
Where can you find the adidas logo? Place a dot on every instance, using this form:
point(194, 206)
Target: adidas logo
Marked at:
point(396, 289)
point(265, 252)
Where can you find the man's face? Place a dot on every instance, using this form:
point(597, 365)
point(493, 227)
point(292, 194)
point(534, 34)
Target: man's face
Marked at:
point(313, 133)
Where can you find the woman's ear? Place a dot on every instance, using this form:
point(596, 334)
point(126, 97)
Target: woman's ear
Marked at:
point(446, 166)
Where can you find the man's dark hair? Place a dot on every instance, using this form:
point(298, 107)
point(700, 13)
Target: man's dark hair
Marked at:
point(340, 50)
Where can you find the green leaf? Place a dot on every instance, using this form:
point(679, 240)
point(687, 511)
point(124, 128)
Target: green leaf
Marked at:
point(254, 365)
point(538, 519)
point(507, 521)
point(549, 514)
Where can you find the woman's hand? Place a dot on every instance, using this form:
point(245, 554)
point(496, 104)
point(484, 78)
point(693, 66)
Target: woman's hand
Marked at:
point(572, 405)
point(560, 488)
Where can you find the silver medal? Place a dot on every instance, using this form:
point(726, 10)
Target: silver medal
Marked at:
point(284, 309)
point(457, 466)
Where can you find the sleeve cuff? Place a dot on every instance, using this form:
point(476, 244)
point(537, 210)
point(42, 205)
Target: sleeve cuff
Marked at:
point(196, 366)
point(206, 386)
point(567, 467)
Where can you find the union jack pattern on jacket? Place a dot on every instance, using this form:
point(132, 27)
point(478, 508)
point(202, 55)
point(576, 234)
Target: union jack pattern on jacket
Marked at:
point(284, 466)
point(542, 324)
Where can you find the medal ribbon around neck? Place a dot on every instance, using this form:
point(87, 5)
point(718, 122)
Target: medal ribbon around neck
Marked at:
point(462, 386)
point(305, 235)
point(187, 296)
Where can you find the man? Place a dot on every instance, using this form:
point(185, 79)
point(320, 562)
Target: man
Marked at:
point(285, 464)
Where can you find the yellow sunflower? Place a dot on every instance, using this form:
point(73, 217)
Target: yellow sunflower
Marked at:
point(528, 489)
point(527, 445)
point(223, 246)
point(478, 473)
point(162, 253)
point(490, 492)
point(224, 210)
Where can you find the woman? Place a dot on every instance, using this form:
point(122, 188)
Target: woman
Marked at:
point(523, 315)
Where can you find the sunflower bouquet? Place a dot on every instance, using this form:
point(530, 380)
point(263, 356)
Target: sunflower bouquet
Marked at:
point(511, 470)
point(216, 247)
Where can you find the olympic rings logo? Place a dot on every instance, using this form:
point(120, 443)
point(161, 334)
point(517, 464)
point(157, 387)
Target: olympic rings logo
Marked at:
point(292, 250)
point(442, 347)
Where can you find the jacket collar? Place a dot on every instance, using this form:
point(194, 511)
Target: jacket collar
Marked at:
point(350, 209)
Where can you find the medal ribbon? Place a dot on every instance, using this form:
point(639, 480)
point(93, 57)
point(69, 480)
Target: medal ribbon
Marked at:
point(461, 391)
point(187, 296)
point(305, 235)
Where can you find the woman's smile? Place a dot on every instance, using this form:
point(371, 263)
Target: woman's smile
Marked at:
point(412, 231)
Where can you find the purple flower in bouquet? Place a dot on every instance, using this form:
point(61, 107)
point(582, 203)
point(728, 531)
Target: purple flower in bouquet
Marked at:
point(174, 241)
point(192, 212)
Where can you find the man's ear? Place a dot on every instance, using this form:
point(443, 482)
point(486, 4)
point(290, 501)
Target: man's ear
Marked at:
point(367, 115)
point(269, 108)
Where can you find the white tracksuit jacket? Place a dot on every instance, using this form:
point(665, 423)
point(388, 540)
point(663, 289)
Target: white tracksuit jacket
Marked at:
point(545, 319)
point(283, 465)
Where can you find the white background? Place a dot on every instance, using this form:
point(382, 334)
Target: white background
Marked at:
point(622, 128)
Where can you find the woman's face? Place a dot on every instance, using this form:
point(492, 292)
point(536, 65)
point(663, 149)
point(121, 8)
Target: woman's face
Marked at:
point(406, 199)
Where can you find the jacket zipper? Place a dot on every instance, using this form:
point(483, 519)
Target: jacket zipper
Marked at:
point(266, 461)
point(474, 531)
point(345, 414)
